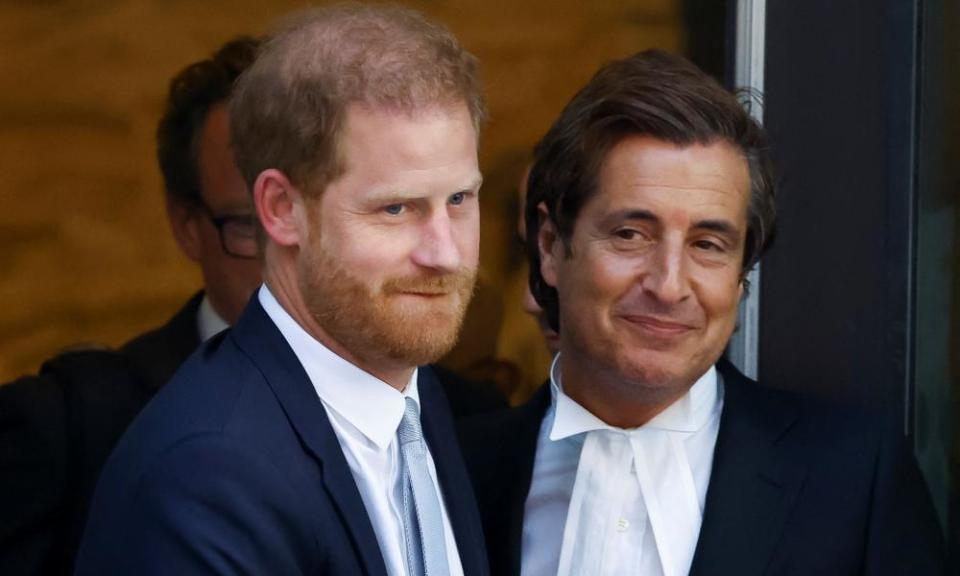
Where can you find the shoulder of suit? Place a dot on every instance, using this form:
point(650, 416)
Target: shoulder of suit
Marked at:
point(158, 353)
point(93, 371)
point(503, 434)
point(180, 331)
point(506, 420)
point(819, 420)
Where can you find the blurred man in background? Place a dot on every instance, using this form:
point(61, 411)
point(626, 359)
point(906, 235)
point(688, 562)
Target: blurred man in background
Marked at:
point(57, 429)
point(551, 338)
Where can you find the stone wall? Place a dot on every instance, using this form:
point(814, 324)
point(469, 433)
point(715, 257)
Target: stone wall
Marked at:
point(86, 253)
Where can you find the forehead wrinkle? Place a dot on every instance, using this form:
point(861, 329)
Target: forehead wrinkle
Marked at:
point(659, 197)
point(664, 163)
point(723, 185)
point(363, 131)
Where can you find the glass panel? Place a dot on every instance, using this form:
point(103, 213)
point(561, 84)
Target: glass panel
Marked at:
point(937, 290)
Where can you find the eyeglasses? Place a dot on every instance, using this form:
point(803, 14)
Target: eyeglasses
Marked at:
point(238, 233)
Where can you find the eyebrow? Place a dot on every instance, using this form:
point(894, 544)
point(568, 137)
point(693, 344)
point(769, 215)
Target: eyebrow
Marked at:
point(719, 226)
point(391, 194)
point(634, 214)
point(475, 184)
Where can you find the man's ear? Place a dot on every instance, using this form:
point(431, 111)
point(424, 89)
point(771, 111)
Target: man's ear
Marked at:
point(279, 206)
point(185, 223)
point(551, 247)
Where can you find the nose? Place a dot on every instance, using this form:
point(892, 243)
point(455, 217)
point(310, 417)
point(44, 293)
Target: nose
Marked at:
point(665, 277)
point(437, 248)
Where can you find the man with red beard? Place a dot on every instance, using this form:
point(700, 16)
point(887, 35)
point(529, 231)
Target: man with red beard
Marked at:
point(306, 439)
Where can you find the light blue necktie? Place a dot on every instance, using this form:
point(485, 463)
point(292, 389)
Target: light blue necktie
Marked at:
point(422, 520)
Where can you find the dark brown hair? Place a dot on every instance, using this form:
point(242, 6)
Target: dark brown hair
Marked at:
point(289, 108)
point(651, 93)
point(193, 92)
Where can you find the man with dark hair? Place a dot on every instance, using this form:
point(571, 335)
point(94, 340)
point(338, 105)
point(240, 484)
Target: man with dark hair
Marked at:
point(207, 200)
point(306, 439)
point(57, 428)
point(650, 199)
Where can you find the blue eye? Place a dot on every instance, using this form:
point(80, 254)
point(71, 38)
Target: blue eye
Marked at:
point(394, 209)
point(457, 198)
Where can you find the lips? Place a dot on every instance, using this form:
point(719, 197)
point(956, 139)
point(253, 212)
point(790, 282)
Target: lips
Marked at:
point(425, 294)
point(659, 326)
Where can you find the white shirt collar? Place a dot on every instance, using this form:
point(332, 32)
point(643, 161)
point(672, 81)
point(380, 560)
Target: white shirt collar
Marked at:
point(209, 323)
point(371, 405)
point(689, 413)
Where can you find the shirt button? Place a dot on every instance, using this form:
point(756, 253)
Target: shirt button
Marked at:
point(623, 525)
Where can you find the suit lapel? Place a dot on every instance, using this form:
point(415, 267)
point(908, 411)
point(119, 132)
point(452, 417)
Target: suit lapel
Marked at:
point(753, 485)
point(256, 334)
point(452, 474)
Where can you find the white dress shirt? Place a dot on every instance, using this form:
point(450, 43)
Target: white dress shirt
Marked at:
point(209, 323)
point(606, 500)
point(365, 413)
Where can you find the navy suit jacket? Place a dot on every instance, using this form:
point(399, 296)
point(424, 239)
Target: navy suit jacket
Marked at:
point(797, 487)
point(233, 468)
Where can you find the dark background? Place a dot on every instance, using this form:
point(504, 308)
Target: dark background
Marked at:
point(859, 294)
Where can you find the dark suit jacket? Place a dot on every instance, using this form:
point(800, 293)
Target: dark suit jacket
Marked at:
point(57, 429)
point(235, 468)
point(797, 487)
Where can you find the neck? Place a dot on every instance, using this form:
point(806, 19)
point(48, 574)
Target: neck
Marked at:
point(608, 396)
point(285, 288)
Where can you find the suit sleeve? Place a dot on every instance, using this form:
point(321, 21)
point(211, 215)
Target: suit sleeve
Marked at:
point(33, 490)
point(205, 507)
point(904, 535)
